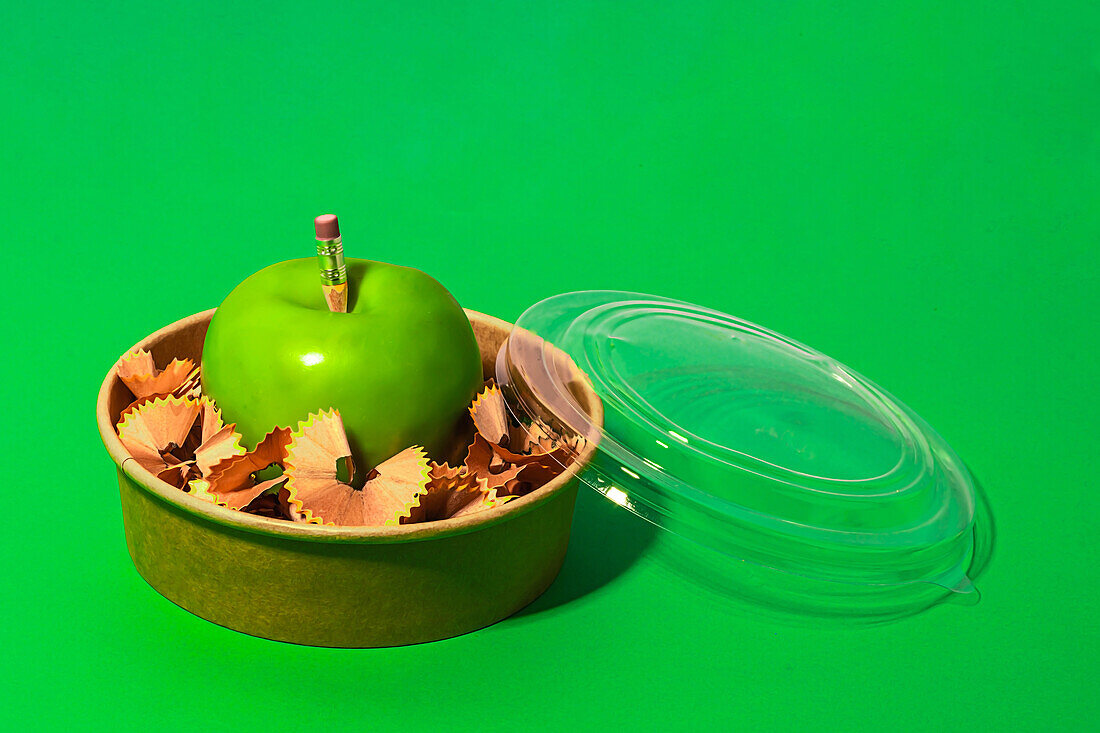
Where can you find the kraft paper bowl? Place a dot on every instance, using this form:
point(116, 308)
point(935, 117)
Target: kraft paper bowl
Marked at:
point(339, 586)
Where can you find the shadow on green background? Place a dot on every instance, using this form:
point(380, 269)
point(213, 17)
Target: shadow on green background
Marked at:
point(605, 542)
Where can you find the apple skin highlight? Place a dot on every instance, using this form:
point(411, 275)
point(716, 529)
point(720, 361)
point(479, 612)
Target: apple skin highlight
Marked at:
point(401, 366)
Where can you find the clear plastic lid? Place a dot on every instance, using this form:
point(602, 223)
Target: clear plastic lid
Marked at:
point(753, 446)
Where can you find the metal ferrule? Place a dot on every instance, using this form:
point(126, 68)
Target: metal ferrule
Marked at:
point(330, 260)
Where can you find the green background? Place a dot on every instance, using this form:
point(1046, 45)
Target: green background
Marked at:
point(913, 190)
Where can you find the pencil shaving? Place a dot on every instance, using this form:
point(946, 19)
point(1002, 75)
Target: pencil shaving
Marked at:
point(138, 372)
point(320, 494)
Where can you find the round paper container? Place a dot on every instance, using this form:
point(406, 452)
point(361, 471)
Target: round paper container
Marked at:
point(339, 586)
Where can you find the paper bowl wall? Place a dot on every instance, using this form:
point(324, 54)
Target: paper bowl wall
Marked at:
point(338, 586)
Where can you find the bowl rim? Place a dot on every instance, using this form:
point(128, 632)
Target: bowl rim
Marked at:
point(281, 528)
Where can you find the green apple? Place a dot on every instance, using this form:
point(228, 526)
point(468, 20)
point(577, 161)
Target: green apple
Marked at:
point(401, 366)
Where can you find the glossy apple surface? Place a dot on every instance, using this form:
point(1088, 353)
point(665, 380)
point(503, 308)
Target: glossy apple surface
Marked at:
point(402, 365)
